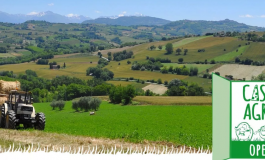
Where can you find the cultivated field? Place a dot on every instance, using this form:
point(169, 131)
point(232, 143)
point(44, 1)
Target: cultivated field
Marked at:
point(240, 71)
point(203, 82)
point(173, 124)
point(156, 88)
point(231, 55)
point(74, 67)
point(124, 71)
point(256, 51)
point(174, 100)
point(125, 83)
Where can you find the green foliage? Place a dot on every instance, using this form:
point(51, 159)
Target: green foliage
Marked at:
point(120, 94)
point(97, 72)
point(57, 104)
point(169, 48)
point(87, 103)
point(116, 40)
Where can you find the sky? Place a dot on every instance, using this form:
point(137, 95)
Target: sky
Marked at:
point(250, 12)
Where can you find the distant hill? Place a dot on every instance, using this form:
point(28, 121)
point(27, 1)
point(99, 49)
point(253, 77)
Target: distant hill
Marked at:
point(130, 21)
point(184, 27)
point(42, 16)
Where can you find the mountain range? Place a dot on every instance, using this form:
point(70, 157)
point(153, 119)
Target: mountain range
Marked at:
point(42, 16)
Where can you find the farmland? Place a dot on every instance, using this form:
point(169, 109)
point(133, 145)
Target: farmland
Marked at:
point(161, 123)
point(240, 71)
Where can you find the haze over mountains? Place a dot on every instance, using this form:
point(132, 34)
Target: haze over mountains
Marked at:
point(182, 27)
point(43, 16)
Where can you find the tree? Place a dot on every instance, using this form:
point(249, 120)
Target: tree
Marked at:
point(178, 51)
point(128, 62)
point(160, 47)
point(212, 61)
point(159, 81)
point(153, 47)
point(205, 61)
point(237, 60)
point(175, 82)
point(169, 48)
point(151, 40)
point(64, 65)
point(180, 60)
point(185, 51)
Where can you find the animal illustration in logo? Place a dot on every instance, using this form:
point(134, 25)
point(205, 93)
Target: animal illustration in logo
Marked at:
point(261, 132)
point(244, 132)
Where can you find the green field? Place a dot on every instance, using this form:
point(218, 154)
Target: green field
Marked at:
point(203, 82)
point(181, 125)
point(256, 51)
point(74, 67)
point(201, 67)
point(231, 55)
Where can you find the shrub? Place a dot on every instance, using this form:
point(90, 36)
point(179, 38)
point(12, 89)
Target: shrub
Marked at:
point(142, 82)
point(159, 81)
point(57, 104)
point(205, 75)
point(53, 104)
point(89, 103)
point(165, 82)
point(131, 78)
point(75, 105)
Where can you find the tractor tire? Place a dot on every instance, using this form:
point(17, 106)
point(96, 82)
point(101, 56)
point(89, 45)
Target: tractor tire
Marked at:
point(40, 121)
point(2, 118)
point(10, 120)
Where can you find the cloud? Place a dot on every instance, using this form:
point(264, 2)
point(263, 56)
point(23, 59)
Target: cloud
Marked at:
point(72, 15)
point(51, 4)
point(262, 16)
point(122, 14)
point(138, 14)
point(33, 13)
point(97, 11)
point(246, 16)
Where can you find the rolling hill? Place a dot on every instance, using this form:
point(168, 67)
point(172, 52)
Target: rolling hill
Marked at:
point(130, 21)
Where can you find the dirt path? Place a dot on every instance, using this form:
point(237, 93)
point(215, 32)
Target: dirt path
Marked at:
point(57, 141)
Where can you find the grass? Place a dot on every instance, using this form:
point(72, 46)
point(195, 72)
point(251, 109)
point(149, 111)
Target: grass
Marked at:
point(34, 48)
point(201, 67)
point(215, 47)
point(74, 67)
point(203, 82)
point(177, 100)
point(256, 51)
point(124, 71)
point(231, 55)
point(181, 125)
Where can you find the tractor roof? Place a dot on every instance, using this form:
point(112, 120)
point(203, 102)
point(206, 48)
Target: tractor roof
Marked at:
point(19, 92)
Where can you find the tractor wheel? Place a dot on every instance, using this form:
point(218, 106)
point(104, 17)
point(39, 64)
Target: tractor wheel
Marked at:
point(10, 120)
point(2, 118)
point(40, 121)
